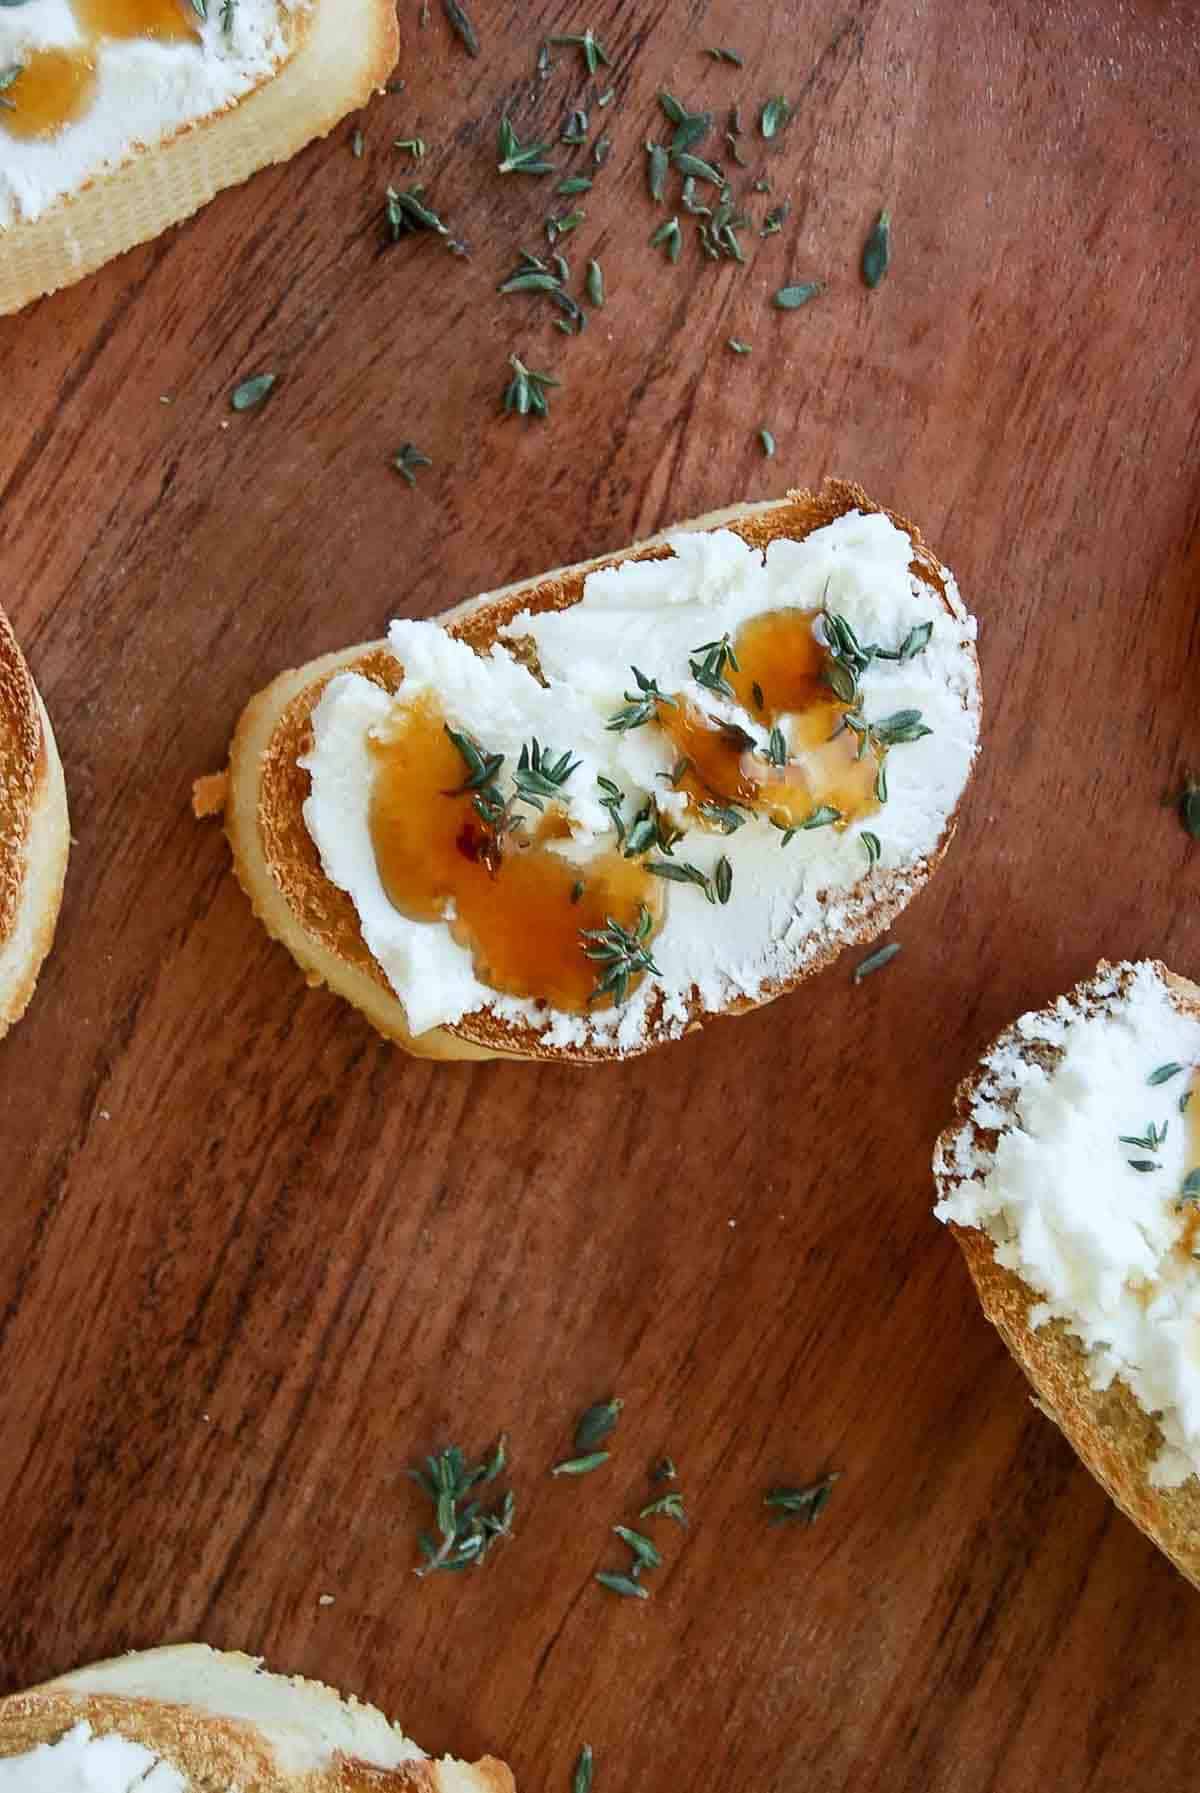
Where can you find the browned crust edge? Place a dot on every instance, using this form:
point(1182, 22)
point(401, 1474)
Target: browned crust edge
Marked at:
point(34, 836)
point(269, 837)
point(1115, 1438)
point(116, 211)
point(211, 1751)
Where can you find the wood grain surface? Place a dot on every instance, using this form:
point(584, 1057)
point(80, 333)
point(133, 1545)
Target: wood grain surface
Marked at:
point(255, 1261)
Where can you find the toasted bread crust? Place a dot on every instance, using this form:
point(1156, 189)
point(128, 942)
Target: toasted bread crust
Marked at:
point(342, 51)
point(210, 1750)
point(279, 868)
point(34, 832)
point(1109, 1430)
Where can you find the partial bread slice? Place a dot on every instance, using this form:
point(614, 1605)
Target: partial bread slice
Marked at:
point(278, 866)
point(347, 50)
point(1108, 1428)
point(34, 831)
point(220, 1721)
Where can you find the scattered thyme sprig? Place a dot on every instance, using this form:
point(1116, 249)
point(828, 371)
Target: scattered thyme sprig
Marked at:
point(528, 392)
point(518, 158)
point(531, 275)
point(461, 23)
point(641, 706)
point(593, 51)
point(709, 670)
point(668, 1506)
point(406, 212)
point(803, 1504)
point(466, 1532)
point(538, 779)
point(621, 953)
point(1151, 1141)
point(407, 459)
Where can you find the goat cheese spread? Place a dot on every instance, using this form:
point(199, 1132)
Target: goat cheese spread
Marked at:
point(89, 95)
point(788, 898)
point(1085, 1188)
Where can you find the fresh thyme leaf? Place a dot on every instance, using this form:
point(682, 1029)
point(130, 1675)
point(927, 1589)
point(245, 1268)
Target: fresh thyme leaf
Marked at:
point(723, 879)
point(561, 265)
point(872, 847)
point(593, 50)
point(595, 284)
point(407, 459)
point(582, 1782)
point(407, 211)
point(756, 692)
point(698, 168)
point(804, 1504)
point(774, 221)
point(612, 801)
point(250, 393)
point(1184, 1100)
point(413, 146)
point(1150, 1143)
point(791, 298)
point(606, 98)
point(200, 8)
point(575, 127)
point(723, 55)
point(726, 816)
point(768, 442)
point(657, 163)
point(738, 346)
point(664, 1472)
point(881, 785)
point(1142, 1164)
point(8, 77)
point(577, 890)
point(528, 392)
point(877, 250)
point(903, 726)
point(916, 641)
point(691, 128)
point(581, 1465)
point(466, 1529)
point(883, 955)
point(228, 12)
point(601, 151)
point(675, 110)
point(1188, 804)
point(640, 705)
point(734, 151)
point(647, 1553)
point(670, 237)
point(517, 157)
point(622, 1584)
point(679, 872)
point(775, 116)
point(482, 768)
point(621, 953)
point(574, 183)
point(557, 228)
point(710, 671)
point(539, 776)
point(459, 19)
point(395, 87)
point(650, 828)
point(777, 751)
point(821, 817)
point(356, 145)
point(1190, 1192)
point(531, 280)
point(596, 1424)
point(690, 200)
point(718, 237)
point(669, 1506)
point(1163, 1074)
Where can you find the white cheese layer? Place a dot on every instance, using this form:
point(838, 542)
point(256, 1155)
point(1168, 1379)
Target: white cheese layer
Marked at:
point(81, 1762)
point(786, 901)
point(146, 92)
point(1102, 1243)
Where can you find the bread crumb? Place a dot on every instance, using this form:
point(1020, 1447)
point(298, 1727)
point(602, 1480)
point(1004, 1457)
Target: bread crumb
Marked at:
point(209, 794)
point(325, 1600)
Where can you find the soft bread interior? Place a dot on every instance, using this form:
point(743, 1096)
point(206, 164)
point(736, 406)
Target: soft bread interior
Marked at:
point(34, 832)
point(277, 862)
point(1108, 1428)
point(348, 49)
point(222, 1721)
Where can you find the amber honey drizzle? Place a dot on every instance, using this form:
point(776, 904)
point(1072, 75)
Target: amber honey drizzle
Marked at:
point(55, 87)
point(780, 675)
point(512, 907)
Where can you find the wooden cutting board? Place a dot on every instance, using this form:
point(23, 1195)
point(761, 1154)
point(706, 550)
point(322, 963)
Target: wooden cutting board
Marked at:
point(256, 1262)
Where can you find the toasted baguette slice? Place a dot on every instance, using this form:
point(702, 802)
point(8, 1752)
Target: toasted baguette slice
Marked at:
point(346, 49)
point(207, 1719)
point(264, 790)
point(34, 831)
point(1116, 1438)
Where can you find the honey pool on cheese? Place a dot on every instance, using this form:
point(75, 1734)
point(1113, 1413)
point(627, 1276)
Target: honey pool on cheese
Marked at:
point(720, 754)
point(85, 83)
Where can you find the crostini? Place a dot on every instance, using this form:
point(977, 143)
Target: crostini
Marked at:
point(576, 817)
point(119, 118)
point(1071, 1180)
point(188, 1719)
point(34, 831)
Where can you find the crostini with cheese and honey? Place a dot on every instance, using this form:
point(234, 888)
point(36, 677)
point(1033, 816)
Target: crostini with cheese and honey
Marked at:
point(576, 817)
